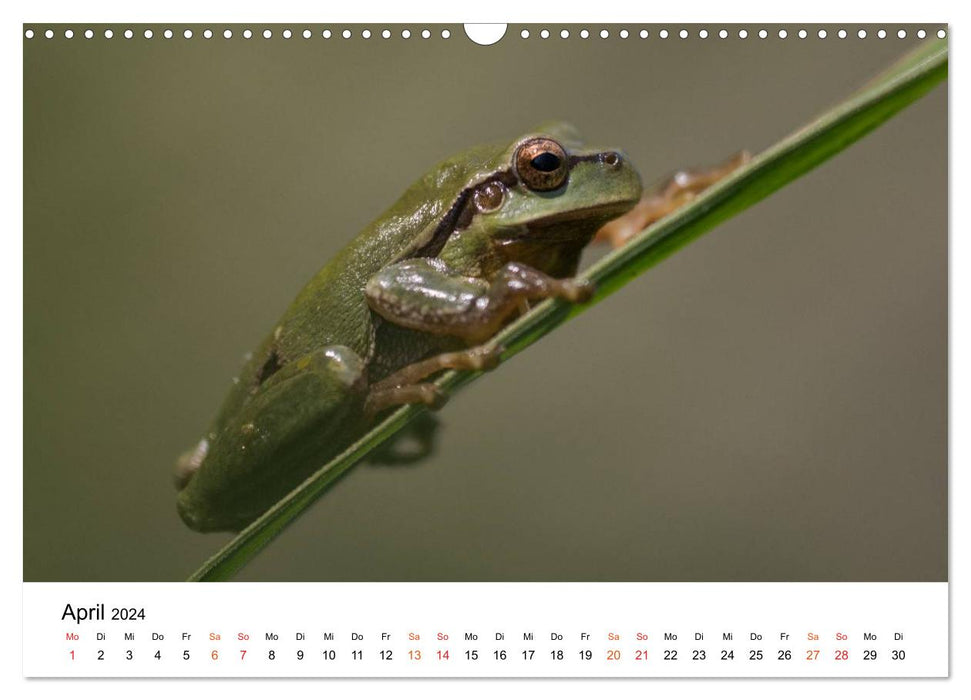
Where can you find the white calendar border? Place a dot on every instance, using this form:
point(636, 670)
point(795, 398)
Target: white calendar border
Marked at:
point(605, 11)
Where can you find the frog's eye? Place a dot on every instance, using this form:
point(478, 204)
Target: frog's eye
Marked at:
point(489, 197)
point(542, 164)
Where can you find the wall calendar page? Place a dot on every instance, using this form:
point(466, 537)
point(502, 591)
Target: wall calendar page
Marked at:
point(540, 350)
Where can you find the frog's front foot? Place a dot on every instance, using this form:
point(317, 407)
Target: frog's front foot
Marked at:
point(667, 197)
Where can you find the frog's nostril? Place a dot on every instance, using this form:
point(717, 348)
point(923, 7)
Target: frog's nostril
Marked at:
point(612, 159)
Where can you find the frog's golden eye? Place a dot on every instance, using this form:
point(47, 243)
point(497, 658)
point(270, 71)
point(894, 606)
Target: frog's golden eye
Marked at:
point(542, 164)
point(489, 197)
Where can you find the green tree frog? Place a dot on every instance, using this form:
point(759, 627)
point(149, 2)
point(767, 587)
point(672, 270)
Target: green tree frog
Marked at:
point(421, 289)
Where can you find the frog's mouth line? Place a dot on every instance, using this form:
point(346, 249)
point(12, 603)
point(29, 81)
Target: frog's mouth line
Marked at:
point(569, 225)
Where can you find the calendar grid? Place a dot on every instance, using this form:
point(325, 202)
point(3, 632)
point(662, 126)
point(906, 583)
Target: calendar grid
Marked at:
point(486, 630)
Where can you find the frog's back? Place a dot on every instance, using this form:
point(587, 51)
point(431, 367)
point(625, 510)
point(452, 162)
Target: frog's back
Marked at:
point(331, 309)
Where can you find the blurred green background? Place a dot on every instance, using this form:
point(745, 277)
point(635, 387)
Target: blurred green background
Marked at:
point(768, 404)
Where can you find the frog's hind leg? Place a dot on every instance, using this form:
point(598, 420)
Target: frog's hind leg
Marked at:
point(293, 423)
point(405, 385)
point(671, 194)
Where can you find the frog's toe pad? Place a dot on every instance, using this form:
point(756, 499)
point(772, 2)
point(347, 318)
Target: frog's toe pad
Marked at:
point(437, 397)
point(579, 291)
point(485, 357)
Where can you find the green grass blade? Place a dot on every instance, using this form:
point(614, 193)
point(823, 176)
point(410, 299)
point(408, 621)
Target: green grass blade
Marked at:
point(901, 84)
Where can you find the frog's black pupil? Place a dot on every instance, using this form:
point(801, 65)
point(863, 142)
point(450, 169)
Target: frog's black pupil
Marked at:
point(545, 162)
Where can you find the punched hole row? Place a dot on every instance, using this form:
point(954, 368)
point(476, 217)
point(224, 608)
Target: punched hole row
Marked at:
point(524, 34)
point(725, 34)
point(245, 34)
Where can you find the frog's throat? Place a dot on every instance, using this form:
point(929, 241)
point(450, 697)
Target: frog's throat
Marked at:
point(572, 225)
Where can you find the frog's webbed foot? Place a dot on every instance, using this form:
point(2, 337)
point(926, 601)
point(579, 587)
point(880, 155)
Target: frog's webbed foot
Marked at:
point(669, 195)
point(405, 385)
point(425, 294)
